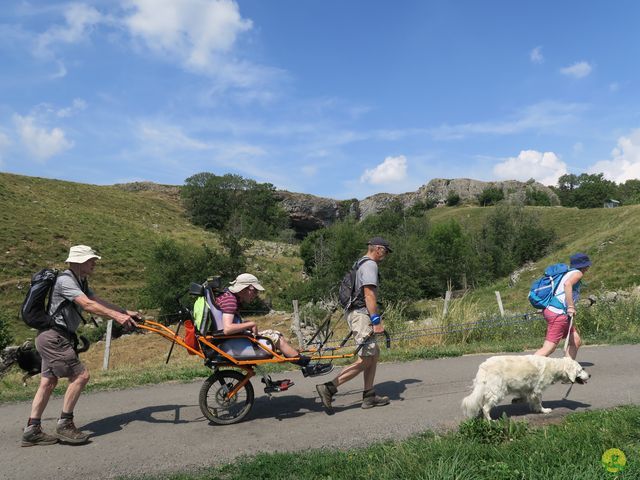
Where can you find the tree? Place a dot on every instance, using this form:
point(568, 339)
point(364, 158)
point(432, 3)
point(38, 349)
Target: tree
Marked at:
point(629, 192)
point(240, 206)
point(510, 237)
point(585, 190)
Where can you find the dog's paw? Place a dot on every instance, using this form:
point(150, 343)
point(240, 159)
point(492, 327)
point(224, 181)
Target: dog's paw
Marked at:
point(546, 410)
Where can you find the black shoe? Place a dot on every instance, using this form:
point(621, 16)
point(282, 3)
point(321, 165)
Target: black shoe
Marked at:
point(317, 369)
point(303, 361)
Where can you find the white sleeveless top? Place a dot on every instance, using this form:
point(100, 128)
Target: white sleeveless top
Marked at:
point(560, 294)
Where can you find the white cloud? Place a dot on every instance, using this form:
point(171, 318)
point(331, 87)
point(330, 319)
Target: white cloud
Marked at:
point(196, 31)
point(544, 167)
point(625, 161)
point(577, 70)
point(536, 55)
point(80, 19)
point(41, 143)
point(392, 170)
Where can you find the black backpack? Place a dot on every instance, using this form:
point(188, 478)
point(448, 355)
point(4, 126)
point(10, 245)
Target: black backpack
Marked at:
point(36, 305)
point(347, 296)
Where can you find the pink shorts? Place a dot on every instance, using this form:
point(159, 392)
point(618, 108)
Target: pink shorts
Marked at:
point(557, 326)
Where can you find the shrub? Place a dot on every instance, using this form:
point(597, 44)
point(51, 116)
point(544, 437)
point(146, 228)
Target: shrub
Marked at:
point(453, 199)
point(490, 196)
point(537, 197)
point(173, 266)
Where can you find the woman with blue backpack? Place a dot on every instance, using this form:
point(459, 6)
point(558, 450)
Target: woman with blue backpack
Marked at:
point(561, 307)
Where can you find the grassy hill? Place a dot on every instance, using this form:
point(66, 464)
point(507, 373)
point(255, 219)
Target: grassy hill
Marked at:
point(609, 236)
point(42, 218)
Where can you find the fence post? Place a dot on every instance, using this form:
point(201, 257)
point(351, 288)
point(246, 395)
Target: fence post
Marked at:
point(500, 303)
point(447, 298)
point(107, 346)
point(296, 324)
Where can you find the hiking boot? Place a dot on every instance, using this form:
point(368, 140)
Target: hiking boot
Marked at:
point(370, 399)
point(67, 432)
point(33, 435)
point(326, 392)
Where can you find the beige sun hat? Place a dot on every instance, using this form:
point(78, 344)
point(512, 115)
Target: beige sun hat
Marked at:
point(81, 253)
point(243, 281)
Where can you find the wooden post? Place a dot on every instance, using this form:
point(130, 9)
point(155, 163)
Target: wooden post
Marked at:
point(447, 298)
point(107, 346)
point(296, 324)
point(500, 304)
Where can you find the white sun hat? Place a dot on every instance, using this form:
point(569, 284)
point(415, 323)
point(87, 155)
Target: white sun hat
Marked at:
point(81, 253)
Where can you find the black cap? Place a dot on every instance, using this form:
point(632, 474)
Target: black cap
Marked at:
point(381, 242)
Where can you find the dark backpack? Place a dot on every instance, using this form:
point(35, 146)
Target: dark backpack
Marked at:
point(347, 296)
point(35, 308)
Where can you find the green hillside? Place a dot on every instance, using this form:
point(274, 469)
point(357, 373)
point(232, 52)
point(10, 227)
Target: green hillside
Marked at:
point(610, 236)
point(42, 218)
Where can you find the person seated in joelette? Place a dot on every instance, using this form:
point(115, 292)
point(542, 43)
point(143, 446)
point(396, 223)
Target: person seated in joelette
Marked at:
point(243, 290)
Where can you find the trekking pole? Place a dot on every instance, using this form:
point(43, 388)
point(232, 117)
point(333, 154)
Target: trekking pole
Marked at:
point(566, 342)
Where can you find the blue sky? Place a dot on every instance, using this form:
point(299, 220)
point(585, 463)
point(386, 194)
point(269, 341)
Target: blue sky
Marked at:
point(336, 98)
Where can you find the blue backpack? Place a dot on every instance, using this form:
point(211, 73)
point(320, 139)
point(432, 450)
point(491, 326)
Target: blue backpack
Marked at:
point(543, 290)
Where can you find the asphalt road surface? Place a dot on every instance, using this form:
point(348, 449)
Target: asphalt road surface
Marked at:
point(160, 428)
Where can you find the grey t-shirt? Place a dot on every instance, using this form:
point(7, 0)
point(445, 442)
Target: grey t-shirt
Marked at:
point(367, 275)
point(67, 288)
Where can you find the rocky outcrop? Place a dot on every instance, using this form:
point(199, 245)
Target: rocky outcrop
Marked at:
point(308, 212)
point(514, 191)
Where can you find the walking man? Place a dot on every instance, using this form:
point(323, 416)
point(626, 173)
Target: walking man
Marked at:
point(365, 323)
point(70, 295)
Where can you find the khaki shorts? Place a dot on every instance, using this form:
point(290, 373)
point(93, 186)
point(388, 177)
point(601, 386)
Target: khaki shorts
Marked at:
point(59, 359)
point(360, 325)
point(272, 335)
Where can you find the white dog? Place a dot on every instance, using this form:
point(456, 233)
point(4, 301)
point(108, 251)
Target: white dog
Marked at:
point(525, 376)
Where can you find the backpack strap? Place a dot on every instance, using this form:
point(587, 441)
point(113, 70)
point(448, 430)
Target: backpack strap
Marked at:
point(84, 286)
point(354, 269)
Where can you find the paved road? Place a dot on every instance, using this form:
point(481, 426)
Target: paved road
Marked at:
point(160, 428)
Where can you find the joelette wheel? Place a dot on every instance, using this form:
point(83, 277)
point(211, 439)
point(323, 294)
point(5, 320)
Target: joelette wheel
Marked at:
point(214, 397)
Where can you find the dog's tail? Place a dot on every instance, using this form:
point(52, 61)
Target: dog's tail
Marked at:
point(472, 403)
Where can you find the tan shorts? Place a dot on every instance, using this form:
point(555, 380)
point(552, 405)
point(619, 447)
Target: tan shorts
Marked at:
point(59, 359)
point(360, 325)
point(272, 335)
